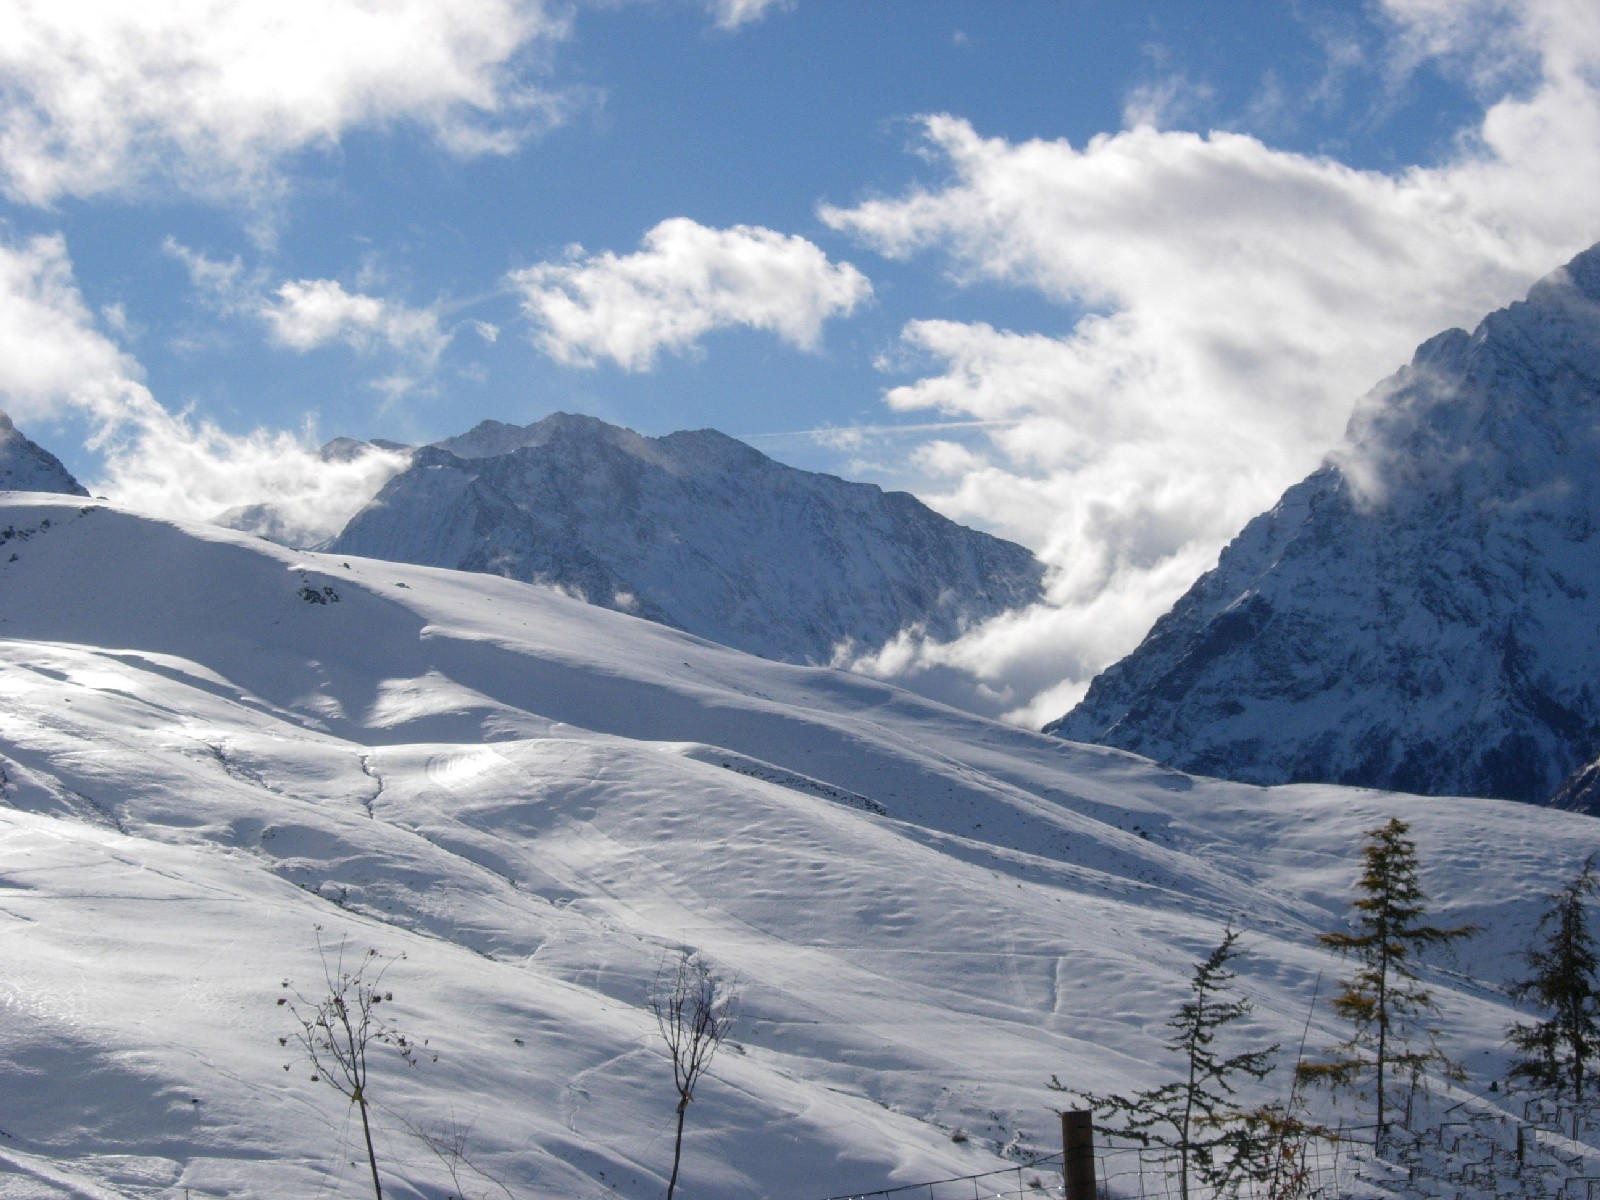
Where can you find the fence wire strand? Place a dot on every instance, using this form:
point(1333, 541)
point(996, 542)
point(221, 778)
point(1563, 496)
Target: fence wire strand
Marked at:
point(1459, 1148)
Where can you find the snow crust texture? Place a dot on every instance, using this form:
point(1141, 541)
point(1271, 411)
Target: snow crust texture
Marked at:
point(539, 802)
point(695, 530)
point(28, 467)
point(1419, 614)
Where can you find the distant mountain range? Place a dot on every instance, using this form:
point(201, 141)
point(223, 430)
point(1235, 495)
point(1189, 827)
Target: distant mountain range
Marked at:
point(1421, 614)
point(695, 530)
point(28, 467)
point(1418, 615)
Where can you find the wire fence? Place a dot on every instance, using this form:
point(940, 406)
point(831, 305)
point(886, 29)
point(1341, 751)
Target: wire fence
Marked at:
point(1311, 1168)
point(1037, 1178)
point(1470, 1150)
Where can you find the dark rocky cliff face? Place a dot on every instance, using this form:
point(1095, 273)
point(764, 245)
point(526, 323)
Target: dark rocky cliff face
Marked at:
point(694, 530)
point(1421, 614)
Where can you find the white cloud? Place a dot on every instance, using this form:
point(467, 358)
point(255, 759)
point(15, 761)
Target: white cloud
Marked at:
point(101, 95)
point(1171, 99)
point(306, 313)
point(1225, 304)
point(176, 467)
point(686, 281)
point(51, 354)
point(54, 363)
point(226, 285)
point(731, 14)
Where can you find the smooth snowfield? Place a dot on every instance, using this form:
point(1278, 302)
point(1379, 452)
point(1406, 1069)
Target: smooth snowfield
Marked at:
point(212, 745)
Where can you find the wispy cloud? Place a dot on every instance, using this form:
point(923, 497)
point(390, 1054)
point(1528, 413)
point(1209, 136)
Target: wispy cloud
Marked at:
point(1239, 300)
point(51, 354)
point(731, 14)
point(854, 437)
point(686, 281)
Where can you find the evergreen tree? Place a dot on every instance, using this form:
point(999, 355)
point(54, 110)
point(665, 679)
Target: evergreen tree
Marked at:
point(1194, 1118)
point(1384, 998)
point(1557, 1052)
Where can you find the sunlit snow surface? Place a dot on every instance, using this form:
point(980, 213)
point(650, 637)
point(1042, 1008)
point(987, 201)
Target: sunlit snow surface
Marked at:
point(537, 801)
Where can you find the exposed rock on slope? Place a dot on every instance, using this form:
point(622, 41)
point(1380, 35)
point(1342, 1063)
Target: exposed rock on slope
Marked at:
point(28, 467)
point(1420, 614)
point(694, 530)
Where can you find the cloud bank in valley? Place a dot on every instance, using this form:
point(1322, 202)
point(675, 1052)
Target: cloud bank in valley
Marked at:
point(1224, 305)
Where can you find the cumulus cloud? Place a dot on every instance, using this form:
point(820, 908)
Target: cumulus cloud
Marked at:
point(55, 364)
point(684, 282)
point(101, 95)
point(306, 313)
point(1224, 304)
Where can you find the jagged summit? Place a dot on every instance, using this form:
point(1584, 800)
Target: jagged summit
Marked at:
point(695, 530)
point(1419, 614)
point(26, 466)
point(673, 452)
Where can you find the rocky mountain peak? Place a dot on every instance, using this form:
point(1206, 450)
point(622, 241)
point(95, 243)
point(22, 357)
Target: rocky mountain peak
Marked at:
point(26, 466)
point(1418, 614)
point(695, 530)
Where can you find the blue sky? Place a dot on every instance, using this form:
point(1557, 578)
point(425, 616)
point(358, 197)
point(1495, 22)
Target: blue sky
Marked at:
point(1103, 278)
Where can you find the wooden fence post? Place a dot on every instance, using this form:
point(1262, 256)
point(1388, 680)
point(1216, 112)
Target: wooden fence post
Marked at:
point(1077, 1150)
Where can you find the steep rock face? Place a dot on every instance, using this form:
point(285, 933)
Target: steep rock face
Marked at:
point(1422, 613)
point(694, 530)
point(28, 467)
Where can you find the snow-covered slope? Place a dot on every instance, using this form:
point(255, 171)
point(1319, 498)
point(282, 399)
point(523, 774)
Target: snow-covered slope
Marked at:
point(1420, 615)
point(536, 800)
point(28, 467)
point(693, 530)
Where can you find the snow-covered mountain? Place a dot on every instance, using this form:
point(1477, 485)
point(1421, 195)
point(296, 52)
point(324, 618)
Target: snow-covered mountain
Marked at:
point(1419, 614)
point(28, 467)
point(539, 801)
point(693, 530)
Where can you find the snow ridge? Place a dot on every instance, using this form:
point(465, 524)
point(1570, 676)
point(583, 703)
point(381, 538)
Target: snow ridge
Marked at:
point(695, 530)
point(1418, 614)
